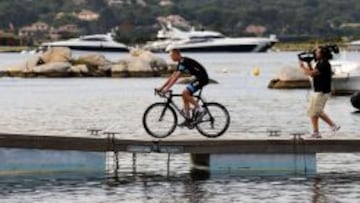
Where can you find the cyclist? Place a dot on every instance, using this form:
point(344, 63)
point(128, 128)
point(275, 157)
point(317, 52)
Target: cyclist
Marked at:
point(193, 67)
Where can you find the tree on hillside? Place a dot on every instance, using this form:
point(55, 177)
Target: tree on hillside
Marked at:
point(328, 18)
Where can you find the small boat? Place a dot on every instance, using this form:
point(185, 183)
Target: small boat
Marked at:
point(346, 78)
point(98, 42)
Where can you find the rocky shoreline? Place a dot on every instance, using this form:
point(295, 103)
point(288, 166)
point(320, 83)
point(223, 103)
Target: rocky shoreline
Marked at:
point(290, 78)
point(57, 62)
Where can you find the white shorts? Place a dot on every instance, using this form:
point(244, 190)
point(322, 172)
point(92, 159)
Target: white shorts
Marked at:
point(317, 103)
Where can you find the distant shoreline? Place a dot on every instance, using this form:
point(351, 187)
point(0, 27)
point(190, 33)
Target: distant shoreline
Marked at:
point(280, 46)
point(301, 46)
point(11, 49)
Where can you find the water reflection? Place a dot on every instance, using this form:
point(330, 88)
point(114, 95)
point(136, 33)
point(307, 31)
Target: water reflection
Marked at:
point(318, 195)
point(188, 187)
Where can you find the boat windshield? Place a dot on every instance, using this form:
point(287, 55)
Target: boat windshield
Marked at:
point(206, 37)
point(94, 39)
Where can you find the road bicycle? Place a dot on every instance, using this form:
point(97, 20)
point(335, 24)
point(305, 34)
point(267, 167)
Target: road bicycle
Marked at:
point(161, 118)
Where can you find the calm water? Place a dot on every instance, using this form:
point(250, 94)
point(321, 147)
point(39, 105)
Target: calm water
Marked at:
point(70, 106)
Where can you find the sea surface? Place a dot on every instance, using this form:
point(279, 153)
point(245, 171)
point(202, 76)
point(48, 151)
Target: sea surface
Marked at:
point(70, 106)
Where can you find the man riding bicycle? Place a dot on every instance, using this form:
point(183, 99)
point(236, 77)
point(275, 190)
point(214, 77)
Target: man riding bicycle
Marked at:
point(191, 66)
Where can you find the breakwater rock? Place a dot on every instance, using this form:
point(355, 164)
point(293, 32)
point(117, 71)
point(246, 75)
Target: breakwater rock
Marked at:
point(58, 62)
point(290, 78)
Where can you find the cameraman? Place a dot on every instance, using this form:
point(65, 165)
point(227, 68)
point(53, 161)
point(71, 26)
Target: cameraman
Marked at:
point(321, 82)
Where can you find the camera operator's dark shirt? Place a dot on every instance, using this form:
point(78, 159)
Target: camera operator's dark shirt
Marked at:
point(322, 81)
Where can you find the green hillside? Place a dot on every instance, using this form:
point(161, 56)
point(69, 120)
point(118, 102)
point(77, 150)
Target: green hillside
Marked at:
point(136, 18)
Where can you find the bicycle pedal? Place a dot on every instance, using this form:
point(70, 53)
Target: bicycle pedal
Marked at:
point(192, 124)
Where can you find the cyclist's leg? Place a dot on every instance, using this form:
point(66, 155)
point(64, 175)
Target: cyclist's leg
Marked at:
point(199, 112)
point(185, 96)
point(193, 87)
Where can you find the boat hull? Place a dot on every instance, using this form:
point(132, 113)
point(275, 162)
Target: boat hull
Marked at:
point(345, 85)
point(95, 48)
point(224, 48)
point(98, 42)
point(242, 48)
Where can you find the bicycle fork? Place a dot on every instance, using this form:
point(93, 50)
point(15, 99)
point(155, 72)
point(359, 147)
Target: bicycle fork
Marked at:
point(163, 112)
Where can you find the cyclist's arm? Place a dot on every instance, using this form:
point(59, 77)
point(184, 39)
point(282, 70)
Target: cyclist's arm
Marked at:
point(167, 82)
point(171, 81)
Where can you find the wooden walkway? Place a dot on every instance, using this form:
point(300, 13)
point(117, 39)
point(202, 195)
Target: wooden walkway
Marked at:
point(200, 146)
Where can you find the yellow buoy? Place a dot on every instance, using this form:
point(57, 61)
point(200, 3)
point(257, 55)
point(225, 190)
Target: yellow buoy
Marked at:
point(224, 70)
point(256, 71)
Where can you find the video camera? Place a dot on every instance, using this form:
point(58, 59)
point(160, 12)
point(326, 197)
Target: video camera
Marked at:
point(310, 55)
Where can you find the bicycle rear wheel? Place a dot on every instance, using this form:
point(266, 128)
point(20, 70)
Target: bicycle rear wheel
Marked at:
point(215, 122)
point(159, 120)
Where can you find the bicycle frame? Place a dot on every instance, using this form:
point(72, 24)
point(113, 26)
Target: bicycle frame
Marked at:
point(170, 102)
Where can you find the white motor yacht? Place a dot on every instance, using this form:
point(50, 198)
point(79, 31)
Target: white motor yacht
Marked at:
point(207, 41)
point(98, 42)
point(224, 44)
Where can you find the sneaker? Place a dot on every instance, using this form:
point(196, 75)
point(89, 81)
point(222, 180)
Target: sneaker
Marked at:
point(315, 135)
point(185, 123)
point(182, 112)
point(335, 128)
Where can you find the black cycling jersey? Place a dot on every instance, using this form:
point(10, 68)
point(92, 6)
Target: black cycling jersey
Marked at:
point(194, 68)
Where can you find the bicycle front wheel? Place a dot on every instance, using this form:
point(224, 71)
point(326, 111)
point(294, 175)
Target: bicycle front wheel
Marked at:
point(159, 120)
point(215, 122)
